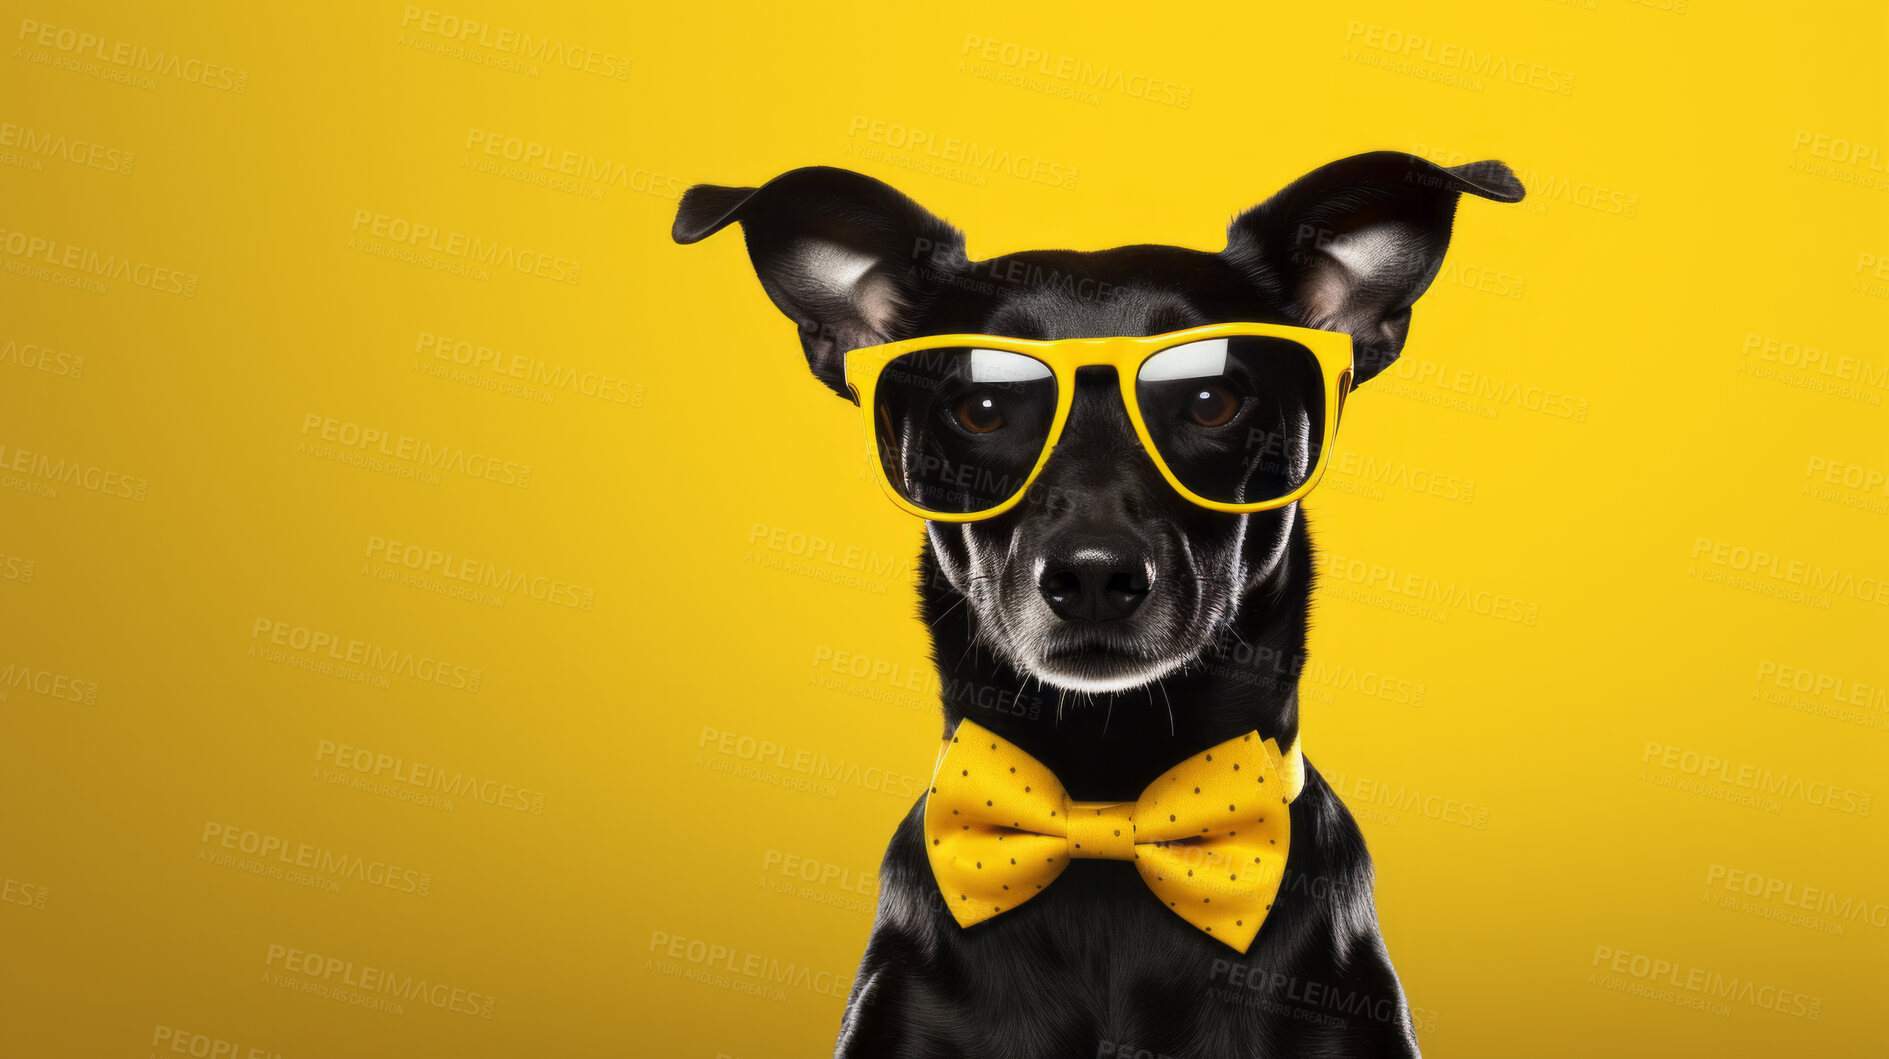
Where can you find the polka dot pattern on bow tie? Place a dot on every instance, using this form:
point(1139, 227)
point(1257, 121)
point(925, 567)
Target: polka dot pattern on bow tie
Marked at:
point(1211, 853)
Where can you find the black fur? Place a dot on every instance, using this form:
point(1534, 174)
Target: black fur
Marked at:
point(1095, 965)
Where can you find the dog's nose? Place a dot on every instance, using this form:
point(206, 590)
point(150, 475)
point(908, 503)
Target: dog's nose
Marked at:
point(1093, 585)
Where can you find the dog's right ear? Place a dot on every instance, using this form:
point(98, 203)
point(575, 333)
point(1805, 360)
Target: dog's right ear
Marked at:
point(1353, 244)
point(846, 257)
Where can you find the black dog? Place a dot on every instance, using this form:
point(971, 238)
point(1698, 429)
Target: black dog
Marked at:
point(1109, 627)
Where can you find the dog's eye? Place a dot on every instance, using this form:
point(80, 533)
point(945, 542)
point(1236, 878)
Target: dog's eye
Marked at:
point(979, 414)
point(1212, 405)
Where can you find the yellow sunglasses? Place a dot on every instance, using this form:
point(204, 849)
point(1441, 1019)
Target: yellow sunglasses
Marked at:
point(1237, 417)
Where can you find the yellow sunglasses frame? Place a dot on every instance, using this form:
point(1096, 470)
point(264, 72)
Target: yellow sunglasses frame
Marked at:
point(1126, 354)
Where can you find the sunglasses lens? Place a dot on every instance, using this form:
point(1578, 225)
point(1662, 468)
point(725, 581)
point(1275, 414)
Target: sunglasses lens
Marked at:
point(960, 429)
point(1238, 420)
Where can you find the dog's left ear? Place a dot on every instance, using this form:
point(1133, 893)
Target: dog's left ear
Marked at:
point(846, 257)
point(1352, 245)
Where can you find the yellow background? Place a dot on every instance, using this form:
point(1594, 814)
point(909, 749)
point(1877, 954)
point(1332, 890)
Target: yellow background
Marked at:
point(742, 569)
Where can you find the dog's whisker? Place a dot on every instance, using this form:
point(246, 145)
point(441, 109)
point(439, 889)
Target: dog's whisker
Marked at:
point(969, 647)
point(934, 622)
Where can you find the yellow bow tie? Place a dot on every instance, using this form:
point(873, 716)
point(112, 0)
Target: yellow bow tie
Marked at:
point(1209, 835)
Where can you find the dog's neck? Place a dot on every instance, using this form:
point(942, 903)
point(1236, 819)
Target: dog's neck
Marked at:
point(1108, 746)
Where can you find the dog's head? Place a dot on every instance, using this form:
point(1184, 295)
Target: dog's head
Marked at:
point(1104, 578)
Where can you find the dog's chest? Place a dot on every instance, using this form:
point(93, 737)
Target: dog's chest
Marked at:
point(1096, 963)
